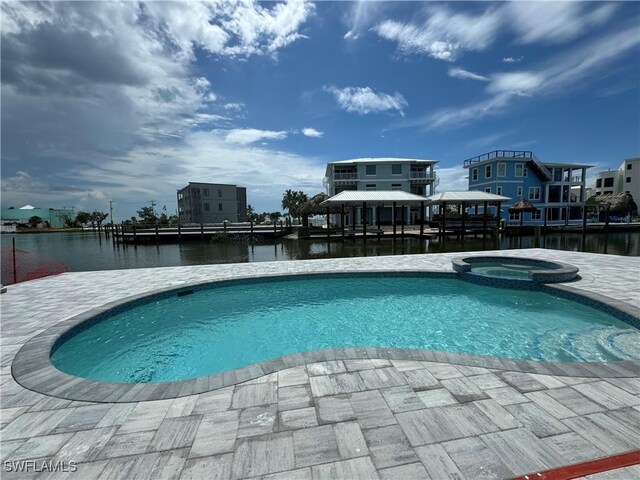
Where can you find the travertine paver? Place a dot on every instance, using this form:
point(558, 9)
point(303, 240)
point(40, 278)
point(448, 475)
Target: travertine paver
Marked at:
point(355, 418)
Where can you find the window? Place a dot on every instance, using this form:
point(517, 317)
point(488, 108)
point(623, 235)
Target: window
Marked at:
point(526, 172)
point(396, 169)
point(519, 170)
point(598, 183)
point(557, 174)
point(608, 182)
point(488, 189)
point(219, 207)
point(487, 171)
point(206, 192)
point(396, 186)
point(207, 207)
point(498, 189)
point(534, 193)
point(219, 192)
point(536, 215)
point(370, 186)
point(474, 174)
point(371, 170)
point(629, 165)
point(519, 192)
point(628, 179)
point(502, 169)
point(514, 216)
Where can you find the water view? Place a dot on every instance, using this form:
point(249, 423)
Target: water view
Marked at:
point(90, 251)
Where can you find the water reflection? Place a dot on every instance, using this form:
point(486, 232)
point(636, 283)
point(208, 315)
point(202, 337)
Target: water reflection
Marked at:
point(82, 252)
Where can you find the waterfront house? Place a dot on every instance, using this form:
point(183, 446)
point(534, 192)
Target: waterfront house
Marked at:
point(54, 217)
point(557, 189)
point(624, 180)
point(212, 203)
point(409, 175)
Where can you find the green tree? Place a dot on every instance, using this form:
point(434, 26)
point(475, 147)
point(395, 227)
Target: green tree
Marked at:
point(274, 216)
point(96, 218)
point(83, 218)
point(250, 213)
point(68, 220)
point(35, 221)
point(148, 214)
point(291, 202)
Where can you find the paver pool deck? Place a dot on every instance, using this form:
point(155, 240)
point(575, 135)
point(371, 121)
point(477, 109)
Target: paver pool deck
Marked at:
point(347, 413)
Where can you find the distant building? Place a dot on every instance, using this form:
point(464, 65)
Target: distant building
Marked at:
point(212, 203)
point(406, 174)
point(20, 216)
point(557, 189)
point(624, 180)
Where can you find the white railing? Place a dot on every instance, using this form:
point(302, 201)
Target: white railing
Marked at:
point(426, 175)
point(345, 176)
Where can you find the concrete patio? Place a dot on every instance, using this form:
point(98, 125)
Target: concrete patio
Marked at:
point(347, 413)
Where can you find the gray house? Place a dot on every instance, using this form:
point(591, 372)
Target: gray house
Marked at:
point(212, 203)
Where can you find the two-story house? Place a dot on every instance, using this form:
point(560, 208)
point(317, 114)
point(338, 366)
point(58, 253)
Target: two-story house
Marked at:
point(212, 203)
point(624, 180)
point(556, 189)
point(406, 174)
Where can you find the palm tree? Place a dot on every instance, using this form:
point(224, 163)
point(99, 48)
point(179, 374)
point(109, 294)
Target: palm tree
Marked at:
point(291, 202)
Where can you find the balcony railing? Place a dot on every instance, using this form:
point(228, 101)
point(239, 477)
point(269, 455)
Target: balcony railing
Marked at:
point(345, 176)
point(422, 175)
point(524, 154)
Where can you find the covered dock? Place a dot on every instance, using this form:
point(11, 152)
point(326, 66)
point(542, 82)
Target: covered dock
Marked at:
point(453, 211)
point(361, 212)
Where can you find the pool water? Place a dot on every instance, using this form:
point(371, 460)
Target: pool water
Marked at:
point(504, 270)
point(234, 325)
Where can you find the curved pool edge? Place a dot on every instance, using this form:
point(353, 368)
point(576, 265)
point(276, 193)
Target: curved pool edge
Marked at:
point(552, 272)
point(33, 370)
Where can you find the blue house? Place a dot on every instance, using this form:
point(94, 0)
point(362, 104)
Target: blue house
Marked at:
point(556, 189)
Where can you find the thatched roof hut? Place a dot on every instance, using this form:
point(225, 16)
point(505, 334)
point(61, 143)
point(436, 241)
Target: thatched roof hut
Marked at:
point(312, 207)
point(521, 207)
point(618, 203)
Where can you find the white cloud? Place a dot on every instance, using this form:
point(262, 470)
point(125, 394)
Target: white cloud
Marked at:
point(360, 17)
point(117, 78)
point(554, 22)
point(512, 59)
point(466, 75)
point(445, 34)
point(452, 179)
point(244, 136)
point(364, 100)
point(312, 132)
point(562, 72)
point(519, 83)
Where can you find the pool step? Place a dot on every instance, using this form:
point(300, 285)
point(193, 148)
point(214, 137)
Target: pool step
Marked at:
point(590, 345)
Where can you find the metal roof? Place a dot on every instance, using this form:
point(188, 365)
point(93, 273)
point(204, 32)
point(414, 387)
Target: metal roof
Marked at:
point(469, 196)
point(384, 160)
point(373, 196)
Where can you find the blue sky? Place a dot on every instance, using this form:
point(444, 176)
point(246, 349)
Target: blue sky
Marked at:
point(130, 101)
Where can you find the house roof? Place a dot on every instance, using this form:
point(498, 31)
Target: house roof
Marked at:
point(358, 197)
point(380, 160)
point(470, 196)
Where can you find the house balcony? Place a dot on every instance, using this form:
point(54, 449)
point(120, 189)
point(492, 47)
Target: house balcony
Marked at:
point(421, 177)
point(344, 178)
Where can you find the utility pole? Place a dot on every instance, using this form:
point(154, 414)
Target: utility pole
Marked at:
point(111, 211)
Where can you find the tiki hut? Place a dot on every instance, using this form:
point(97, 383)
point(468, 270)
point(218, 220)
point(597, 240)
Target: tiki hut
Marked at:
point(619, 204)
point(312, 207)
point(521, 207)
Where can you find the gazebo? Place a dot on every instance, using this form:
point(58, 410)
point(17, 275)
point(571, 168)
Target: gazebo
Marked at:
point(522, 207)
point(313, 207)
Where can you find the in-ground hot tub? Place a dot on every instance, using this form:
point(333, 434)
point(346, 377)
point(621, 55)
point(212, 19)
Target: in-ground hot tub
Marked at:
point(514, 268)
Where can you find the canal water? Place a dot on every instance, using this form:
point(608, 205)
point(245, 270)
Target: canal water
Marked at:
point(89, 251)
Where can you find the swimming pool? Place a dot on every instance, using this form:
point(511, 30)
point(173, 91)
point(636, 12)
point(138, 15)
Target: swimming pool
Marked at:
point(207, 330)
